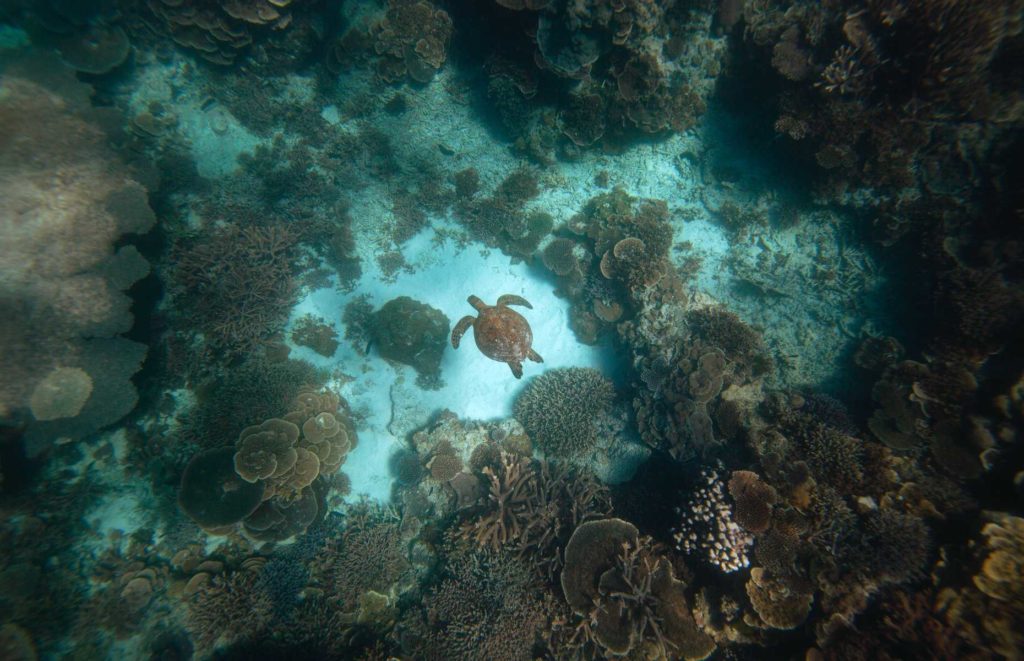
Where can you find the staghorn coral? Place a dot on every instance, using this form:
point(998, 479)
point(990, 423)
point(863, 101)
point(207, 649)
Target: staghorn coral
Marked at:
point(228, 608)
point(561, 408)
point(245, 278)
point(62, 280)
point(490, 605)
point(368, 555)
point(531, 508)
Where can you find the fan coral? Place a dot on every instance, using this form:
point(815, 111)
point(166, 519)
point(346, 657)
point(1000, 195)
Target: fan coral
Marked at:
point(561, 408)
point(62, 280)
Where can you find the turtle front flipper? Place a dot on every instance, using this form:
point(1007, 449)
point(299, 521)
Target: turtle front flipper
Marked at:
point(534, 356)
point(460, 329)
point(517, 368)
point(512, 299)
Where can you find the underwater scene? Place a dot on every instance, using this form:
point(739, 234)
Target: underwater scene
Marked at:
point(511, 330)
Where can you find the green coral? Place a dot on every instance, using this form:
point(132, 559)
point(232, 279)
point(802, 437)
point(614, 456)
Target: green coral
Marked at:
point(560, 409)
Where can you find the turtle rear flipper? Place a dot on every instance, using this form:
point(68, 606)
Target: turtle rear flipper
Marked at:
point(512, 299)
point(534, 356)
point(517, 368)
point(460, 330)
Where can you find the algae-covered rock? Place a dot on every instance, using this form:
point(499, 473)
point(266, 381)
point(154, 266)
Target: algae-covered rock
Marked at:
point(412, 333)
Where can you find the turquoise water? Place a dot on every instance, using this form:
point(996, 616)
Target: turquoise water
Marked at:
point(518, 329)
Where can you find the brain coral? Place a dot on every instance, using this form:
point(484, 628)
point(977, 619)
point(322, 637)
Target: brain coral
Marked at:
point(560, 408)
point(68, 200)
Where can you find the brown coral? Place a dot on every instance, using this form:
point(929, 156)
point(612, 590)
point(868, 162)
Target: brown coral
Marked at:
point(558, 256)
point(61, 394)
point(444, 467)
point(411, 39)
point(754, 500)
point(266, 450)
point(62, 278)
point(778, 604)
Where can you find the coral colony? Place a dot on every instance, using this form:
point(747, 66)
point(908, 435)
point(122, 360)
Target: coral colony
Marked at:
point(772, 254)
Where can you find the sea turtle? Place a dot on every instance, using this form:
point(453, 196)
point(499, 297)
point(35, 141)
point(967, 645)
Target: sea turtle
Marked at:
point(501, 334)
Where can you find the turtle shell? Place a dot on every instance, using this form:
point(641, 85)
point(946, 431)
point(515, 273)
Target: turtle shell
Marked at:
point(502, 334)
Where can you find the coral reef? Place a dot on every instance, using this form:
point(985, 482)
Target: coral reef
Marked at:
point(312, 332)
point(244, 275)
point(65, 260)
point(489, 605)
point(281, 466)
point(531, 508)
point(411, 39)
point(708, 525)
point(628, 595)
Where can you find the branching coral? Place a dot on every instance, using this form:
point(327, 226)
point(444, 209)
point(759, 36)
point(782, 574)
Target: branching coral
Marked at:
point(70, 199)
point(627, 594)
point(490, 606)
point(560, 410)
point(369, 555)
point(244, 277)
point(531, 509)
